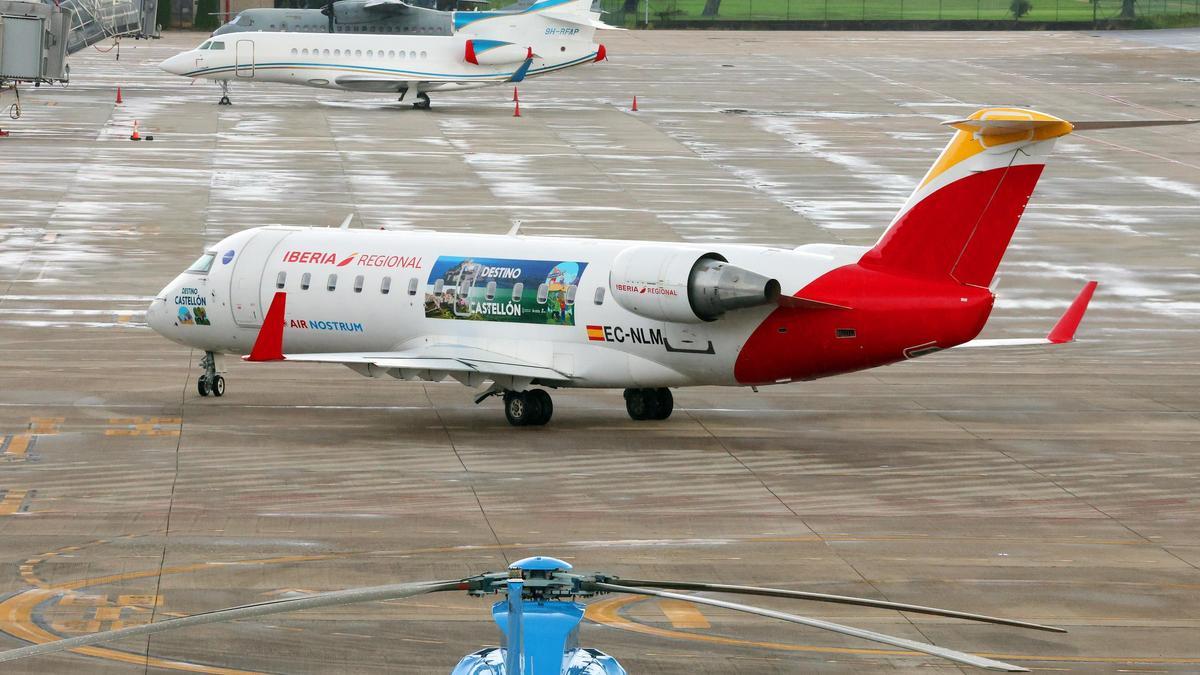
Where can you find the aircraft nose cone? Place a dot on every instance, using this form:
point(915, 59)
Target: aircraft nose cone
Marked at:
point(157, 316)
point(178, 64)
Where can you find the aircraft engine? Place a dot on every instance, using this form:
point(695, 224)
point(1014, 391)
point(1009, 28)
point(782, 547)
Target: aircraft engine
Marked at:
point(668, 284)
point(494, 52)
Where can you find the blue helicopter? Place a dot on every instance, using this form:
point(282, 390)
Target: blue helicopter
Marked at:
point(540, 616)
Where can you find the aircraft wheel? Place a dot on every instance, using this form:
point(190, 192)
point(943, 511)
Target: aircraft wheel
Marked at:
point(224, 101)
point(218, 385)
point(202, 385)
point(521, 409)
point(422, 102)
point(545, 405)
point(641, 404)
point(665, 402)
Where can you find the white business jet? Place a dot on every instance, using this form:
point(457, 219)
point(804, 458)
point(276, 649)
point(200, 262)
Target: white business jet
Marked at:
point(508, 313)
point(485, 48)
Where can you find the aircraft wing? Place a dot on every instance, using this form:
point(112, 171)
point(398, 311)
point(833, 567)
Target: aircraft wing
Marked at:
point(469, 365)
point(1063, 331)
point(389, 6)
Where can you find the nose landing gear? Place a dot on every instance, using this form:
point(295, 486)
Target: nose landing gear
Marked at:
point(210, 382)
point(528, 408)
point(649, 404)
point(224, 93)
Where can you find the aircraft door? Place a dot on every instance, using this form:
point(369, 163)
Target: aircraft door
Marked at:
point(247, 296)
point(245, 58)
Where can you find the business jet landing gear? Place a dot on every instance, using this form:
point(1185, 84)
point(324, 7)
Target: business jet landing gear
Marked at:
point(528, 408)
point(422, 102)
point(224, 93)
point(210, 382)
point(649, 404)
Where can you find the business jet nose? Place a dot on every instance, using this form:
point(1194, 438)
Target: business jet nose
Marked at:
point(158, 316)
point(178, 64)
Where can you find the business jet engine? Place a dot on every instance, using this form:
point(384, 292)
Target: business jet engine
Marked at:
point(494, 52)
point(667, 284)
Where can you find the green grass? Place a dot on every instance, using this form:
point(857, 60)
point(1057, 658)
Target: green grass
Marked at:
point(663, 11)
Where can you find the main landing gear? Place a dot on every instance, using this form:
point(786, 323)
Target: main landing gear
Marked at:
point(649, 404)
point(224, 99)
point(528, 408)
point(422, 102)
point(210, 382)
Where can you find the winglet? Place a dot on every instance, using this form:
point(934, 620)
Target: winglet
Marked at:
point(519, 76)
point(269, 345)
point(1064, 330)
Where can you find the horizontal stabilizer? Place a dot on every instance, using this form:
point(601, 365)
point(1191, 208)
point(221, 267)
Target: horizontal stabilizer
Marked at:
point(1126, 124)
point(999, 127)
point(1062, 332)
point(580, 21)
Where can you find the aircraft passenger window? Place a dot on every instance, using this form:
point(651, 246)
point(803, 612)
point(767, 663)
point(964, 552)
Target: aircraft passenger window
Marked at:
point(217, 45)
point(571, 290)
point(412, 286)
point(599, 299)
point(331, 284)
point(325, 52)
point(438, 286)
point(385, 286)
point(412, 55)
point(422, 54)
point(305, 280)
point(203, 263)
point(280, 279)
point(294, 50)
point(543, 294)
point(358, 52)
point(304, 51)
point(490, 294)
point(370, 53)
point(337, 52)
point(401, 53)
point(391, 53)
point(518, 289)
point(358, 283)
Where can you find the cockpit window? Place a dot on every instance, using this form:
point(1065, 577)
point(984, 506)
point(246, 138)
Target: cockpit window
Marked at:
point(217, 45)
point(205, 45)
point(203, 263)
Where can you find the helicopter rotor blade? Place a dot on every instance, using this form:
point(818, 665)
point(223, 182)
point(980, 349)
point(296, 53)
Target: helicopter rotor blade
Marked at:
point(837, 599)
point(932, 650)
point(330, 599)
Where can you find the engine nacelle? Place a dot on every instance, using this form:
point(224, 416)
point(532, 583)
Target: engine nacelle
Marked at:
point(494, 52)
point(669, 284)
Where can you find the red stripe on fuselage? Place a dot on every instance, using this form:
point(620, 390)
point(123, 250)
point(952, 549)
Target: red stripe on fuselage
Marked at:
point(890, 313)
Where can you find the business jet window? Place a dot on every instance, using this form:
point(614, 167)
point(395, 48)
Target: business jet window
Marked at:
point(517, 291)
point(422, 54)
point(490, 293)
point(203, 263)
point(325, 52)
point(304, 51)
point(295, 51)
point(385, 286)
point(337, 52)
point(358, 52)
point(391, 53)
point(543, 294)
point(305, 280)
point(370, 53)
point(280, 279)
point(402, 54)
point(412, 55)
point(331, 283)
point(412, 286)
point(571, 290)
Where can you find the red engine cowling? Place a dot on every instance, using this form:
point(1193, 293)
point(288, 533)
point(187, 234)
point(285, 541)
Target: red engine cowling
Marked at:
point(494, 52)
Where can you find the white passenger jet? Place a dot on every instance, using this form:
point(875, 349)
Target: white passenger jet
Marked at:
point(507, 313)
point(484, 48)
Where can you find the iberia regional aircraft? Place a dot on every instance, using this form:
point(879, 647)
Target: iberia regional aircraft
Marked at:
point(477, 49)
point(509, 313)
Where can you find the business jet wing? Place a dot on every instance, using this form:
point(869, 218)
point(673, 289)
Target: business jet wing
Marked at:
point(469, 365)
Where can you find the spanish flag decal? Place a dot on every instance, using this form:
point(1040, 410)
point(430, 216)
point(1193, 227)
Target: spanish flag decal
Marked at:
point(596, 333)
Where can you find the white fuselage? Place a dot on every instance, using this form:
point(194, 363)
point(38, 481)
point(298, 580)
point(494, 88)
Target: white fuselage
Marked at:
point(460, 289)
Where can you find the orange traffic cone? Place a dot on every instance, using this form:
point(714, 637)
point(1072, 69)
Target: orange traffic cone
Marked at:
point(515, 97)
point(634, 108)
point(135, 136)
point(119, 101)
point(517, 109)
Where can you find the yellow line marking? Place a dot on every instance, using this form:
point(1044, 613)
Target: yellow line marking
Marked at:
point(12, 502)
point(607, 612)
point(18, 446)
point(45, 425)
point(683, 614)
point(143, 426)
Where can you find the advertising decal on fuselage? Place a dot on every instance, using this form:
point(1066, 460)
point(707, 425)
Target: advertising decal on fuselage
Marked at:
point(502, 289)
point(192, 307)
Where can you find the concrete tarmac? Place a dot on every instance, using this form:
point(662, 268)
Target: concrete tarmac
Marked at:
point(1057, 486)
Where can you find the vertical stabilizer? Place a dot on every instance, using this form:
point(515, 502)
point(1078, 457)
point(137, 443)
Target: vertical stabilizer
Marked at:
point(959, 221)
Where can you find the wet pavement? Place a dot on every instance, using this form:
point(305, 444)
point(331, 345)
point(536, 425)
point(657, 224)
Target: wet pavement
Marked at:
point(1054, 486)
